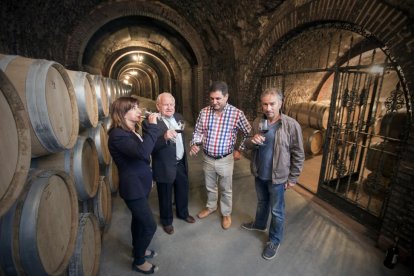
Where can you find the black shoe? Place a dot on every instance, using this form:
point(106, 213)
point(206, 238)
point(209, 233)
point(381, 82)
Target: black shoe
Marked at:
point(252, 227)
point(169, 229)
point(270, 250)
point(153, 269)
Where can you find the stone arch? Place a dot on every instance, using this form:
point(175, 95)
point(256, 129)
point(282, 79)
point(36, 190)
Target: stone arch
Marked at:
point(103, 14)
point(387, 24)
point(107, 12)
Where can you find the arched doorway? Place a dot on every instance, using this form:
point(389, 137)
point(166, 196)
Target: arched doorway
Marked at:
point(347, 93)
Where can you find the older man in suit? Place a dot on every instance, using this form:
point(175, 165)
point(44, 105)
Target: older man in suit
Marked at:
point(169, 164)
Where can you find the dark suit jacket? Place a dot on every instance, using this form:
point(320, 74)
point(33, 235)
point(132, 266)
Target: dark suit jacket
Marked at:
point(132, 157)
point(164, 161)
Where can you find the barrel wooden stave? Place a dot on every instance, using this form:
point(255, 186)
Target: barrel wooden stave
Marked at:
point(81, 162)
point(42, 227)
point(85, 98)
point(102, 97)
point(15, 144)
point(111, 172)
point(102, 203)
point(100, 136)
point(312, 140)
point(85, 260)
point(380, 158)
point(49, 99)
point(392, 124)
point(310, 114)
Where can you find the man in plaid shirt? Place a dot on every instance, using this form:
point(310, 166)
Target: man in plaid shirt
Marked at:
point(216, 132)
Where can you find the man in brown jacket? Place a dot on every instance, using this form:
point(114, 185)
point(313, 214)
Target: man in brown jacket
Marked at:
point(277, 161)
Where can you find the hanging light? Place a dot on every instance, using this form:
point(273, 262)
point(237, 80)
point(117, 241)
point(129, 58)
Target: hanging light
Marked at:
point(138, 57)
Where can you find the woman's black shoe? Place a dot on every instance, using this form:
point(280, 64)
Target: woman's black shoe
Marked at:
point(153, 269)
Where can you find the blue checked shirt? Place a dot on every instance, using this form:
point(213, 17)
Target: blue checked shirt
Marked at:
point(218, 133)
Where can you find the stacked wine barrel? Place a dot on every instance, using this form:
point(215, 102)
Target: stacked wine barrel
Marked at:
point(382, 157)
point(313, 118)
point(57, 177)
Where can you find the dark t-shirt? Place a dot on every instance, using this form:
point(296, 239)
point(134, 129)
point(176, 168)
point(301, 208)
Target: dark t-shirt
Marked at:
point(264, 159)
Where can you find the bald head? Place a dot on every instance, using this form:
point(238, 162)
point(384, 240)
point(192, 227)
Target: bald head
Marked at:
point(166, 104)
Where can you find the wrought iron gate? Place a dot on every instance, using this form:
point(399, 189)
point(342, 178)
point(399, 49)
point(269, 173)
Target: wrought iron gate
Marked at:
point(361, 152)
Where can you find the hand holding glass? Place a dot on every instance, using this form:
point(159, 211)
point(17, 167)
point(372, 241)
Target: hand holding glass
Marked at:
point(263, 127)
point(181, 126)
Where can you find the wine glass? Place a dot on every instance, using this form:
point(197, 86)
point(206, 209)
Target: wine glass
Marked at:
point(145, 113)
point(181, 126)
point(263, 127)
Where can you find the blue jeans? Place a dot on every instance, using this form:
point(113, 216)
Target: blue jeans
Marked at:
point(270, 198)
point(143, 227)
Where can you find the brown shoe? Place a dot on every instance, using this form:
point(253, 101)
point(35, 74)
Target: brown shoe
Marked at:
point(226, 222)
point(204, 213)
point(169, 229)
point(189, 219)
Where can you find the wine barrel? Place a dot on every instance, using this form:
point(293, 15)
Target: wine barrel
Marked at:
point(147, 103)
point(381, 157)
point(376, 185)
point(15, 145)
point(81, 162)
point(99, 135)
point(310, 114)
point(86, 98)
point(102, 202)
point(85, 259)
point(393, 123)
point(312, 140)
point(111, 173)
point(106, 123)
point(39, 231)
point(103, 104)
point(110, 89)
point(47, 93)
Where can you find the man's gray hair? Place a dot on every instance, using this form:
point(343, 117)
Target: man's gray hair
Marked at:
point(273, 91)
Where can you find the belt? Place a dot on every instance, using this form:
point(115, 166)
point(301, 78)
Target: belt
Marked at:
point(217, 157)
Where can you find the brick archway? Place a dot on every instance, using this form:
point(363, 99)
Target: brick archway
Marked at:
point(385, 23)
point(103, 14)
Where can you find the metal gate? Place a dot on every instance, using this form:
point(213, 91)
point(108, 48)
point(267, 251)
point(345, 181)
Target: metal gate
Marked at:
point(362, 147)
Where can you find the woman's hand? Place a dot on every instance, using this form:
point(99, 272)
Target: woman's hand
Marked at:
point(152, 118)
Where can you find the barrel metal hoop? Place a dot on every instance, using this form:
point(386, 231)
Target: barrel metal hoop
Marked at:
point(38, 112)
point(4, 61)
point(29, 251)
point(77, 168)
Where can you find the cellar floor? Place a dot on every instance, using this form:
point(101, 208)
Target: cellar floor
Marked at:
point(318, 239)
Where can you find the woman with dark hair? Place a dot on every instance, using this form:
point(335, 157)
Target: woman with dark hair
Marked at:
point(131, 154)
